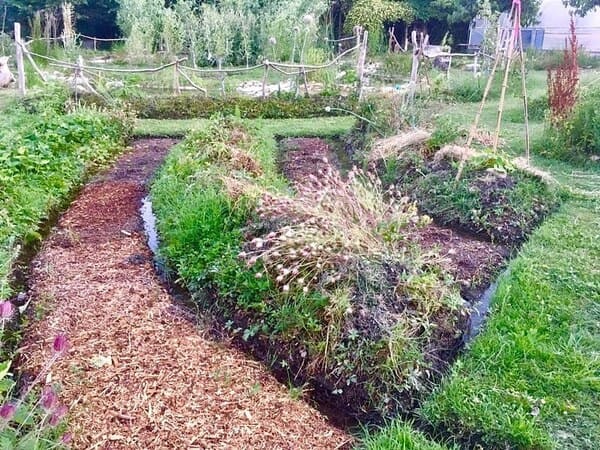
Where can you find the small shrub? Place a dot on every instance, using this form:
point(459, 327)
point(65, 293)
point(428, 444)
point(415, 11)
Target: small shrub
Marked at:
point(563, 82)
point(578, 137)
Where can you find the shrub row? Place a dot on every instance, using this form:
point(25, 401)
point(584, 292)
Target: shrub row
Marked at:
point(274, 107)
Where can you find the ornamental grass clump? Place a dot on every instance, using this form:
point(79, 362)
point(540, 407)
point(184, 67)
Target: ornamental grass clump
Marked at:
point(330, 224)
point(322, 280)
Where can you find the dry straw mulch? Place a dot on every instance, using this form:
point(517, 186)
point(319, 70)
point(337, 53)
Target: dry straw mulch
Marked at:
point(140, 374)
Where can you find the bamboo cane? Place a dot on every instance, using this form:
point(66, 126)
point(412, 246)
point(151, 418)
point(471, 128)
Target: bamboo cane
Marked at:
point(509, 57)
point(525, 101)
point(487, 89)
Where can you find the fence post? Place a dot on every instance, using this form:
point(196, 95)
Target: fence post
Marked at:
point(176, 86)
point(20, 63)
point(362, 56)
point(358, 31)
point(264, 81)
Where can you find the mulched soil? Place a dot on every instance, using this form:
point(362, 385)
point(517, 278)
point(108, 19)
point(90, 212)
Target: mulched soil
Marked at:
point(140, 372)
point(473, 262)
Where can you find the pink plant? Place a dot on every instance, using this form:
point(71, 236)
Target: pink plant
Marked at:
point(60, 343)
point(49, 398)
point(58, 415)
point(6, 310)
point(7, 411)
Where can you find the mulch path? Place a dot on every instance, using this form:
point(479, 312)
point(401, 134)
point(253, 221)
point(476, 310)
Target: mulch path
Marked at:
point(140, 372)
point(474, 263)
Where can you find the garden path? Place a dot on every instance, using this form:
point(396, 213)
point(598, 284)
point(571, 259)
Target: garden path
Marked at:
point(140, 372)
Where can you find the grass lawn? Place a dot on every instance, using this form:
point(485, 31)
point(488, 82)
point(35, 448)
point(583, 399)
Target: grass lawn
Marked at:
point(531, 380)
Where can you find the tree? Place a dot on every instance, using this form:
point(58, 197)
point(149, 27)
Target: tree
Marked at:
point(583, 6)
point(455, 11)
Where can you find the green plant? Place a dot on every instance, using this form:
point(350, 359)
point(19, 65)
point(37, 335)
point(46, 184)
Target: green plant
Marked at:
point(577, 138)
point(306, 268)
point(34, 418)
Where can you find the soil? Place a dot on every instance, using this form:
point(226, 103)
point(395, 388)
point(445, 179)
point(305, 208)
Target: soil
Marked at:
point(141, 373)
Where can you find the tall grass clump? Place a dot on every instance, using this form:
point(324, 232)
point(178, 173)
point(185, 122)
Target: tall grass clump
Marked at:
point(322, 281)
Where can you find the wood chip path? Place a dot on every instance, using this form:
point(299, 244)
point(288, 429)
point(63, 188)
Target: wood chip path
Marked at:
point(140, 373)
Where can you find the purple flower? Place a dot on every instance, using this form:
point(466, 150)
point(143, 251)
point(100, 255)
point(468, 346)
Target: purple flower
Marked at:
point(60, 343)
point(7, 411)
point(49, 398)
point(6, 310)
point(66, 438)
point(58, 415)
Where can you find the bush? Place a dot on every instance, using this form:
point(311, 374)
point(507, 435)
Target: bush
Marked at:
point(284, 106)
point(324, 284)
point(577, 138)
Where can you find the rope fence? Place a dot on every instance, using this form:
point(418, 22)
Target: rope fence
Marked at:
point(297, 73)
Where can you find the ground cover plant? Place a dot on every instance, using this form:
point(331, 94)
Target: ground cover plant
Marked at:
point(341, 300)
point(43, 157)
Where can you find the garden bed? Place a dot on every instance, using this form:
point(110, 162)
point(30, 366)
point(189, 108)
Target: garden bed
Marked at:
point(322, 276)
point(492, 197)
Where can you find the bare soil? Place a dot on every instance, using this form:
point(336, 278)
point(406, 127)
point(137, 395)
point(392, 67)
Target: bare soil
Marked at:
point(140, 372)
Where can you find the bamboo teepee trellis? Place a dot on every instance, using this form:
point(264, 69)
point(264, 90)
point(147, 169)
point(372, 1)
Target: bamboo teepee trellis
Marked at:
point(509, 40)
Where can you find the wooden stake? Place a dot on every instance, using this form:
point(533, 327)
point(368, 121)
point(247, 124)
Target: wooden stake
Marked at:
point(264, 82)
point(176, 85)
point(525, 101)
point(20, 63)
point(34, 65)
point(361, 63)
point(509, 57)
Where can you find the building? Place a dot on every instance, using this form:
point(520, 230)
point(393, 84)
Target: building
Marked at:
point(551, 29)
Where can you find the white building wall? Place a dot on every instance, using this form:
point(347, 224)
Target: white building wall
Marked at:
point(554, 18)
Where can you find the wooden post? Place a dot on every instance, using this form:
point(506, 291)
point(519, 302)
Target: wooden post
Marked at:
point(264, 81)
point(176, 86)
point(524, 88)
point(361, 63)
point(95, 44)
point(358, 30)
point(20, 63)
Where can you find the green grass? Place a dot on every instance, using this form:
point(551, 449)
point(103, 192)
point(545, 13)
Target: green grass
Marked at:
point(322, 127)
point(398, 436)
point(531, 380)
